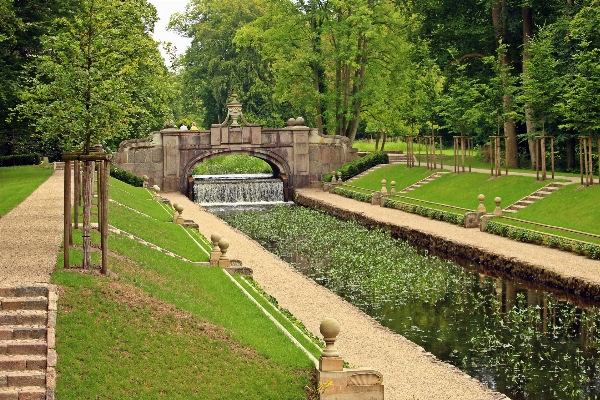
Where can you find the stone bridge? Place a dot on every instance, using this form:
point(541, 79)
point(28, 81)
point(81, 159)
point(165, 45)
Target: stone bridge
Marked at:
point(298, 155)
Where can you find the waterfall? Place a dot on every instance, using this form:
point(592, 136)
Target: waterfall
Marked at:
point(212, 190)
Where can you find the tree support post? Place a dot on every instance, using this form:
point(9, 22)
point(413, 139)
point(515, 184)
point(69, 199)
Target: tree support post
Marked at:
point(67, 213)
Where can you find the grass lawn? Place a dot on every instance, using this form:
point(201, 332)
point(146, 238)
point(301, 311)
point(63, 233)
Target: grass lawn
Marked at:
point(16, 183)
point(403, 177)
point(159, 327)
point(461, 190)
point(569, 207)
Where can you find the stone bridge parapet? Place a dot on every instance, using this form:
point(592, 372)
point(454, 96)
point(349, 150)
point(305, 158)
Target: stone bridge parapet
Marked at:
point(298, 155)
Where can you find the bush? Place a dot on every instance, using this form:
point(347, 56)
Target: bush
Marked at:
point(20, 159)
point(365, 198)
point(126, 177)
point(359, 165)
point(432, 213)
point(545, 239)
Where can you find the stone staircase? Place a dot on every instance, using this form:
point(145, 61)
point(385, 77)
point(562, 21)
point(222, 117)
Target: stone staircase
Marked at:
point(533, 197)
point(423, 182)
point(397, 158)
point(27, 337)
point(365, 173)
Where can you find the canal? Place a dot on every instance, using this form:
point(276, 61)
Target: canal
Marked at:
point(521, 339)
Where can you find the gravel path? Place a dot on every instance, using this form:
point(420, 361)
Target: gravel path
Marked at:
point(31, 234)
point(408, 371)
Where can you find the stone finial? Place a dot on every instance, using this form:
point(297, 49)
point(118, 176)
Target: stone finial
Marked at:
point(179, 209)
point(175, 214)
point(330, 328)
point(333, 178)
point(383, 186)
point(224, 261)
point(339, 176)
point(215, 253)
point(481, 207)
point(497, 210)
point(156, 195)
point(393, 191)
point(146, 179)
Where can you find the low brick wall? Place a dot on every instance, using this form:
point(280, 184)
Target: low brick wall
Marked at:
point(452, 249)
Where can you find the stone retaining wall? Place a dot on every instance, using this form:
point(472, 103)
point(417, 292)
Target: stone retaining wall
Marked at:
point(452, 248)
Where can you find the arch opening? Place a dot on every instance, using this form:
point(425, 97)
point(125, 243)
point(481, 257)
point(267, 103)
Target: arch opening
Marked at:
point(277, 168)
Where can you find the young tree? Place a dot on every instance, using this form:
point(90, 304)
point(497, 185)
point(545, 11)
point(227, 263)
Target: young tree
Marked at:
point(100, 77)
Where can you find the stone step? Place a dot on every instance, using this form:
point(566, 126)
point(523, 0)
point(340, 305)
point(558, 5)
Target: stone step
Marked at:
point(22, 362)
point(24, 291)
point(24, 347)
point(24, 303)
point(26, 317)
point(22, 332)
point(23, 379)
point(24, 393)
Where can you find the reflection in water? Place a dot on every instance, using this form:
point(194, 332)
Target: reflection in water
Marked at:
point(519, 338)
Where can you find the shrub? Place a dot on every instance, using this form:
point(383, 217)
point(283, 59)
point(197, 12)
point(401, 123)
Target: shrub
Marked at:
point(126, 177)
point(432, 213)
point(364, 197)
point(528, 236)
point(359, 165)
point(20, 159)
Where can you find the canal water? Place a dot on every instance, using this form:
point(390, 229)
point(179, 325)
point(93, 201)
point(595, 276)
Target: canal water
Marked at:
point(520, 338)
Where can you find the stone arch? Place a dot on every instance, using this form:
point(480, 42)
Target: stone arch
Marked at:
point(281, 168)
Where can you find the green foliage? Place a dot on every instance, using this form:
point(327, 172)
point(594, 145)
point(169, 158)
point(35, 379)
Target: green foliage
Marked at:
point(544, 239)
point(236, 164)
point(353, 194)
point(16, 183)
point(216, 66)
point(440, 215)
point(100, 78)
point(20, 159)
point(359, 165)
point(125, 176)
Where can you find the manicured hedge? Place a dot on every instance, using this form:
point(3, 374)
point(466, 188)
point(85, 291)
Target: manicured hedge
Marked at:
point(359, 165)
point(544, 239)
point(20, 159)
point(126, 177)
point(440, 215)
point(365, 198)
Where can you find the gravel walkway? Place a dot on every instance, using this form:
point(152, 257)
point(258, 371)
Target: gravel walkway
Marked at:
point(31, 234)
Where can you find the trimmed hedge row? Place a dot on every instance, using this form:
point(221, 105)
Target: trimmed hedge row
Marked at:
point(126, 177)
point(544, 239)
point(20, 159)
point(359, 165)
point(440, 215)
point(365, 198)
point(432, 213)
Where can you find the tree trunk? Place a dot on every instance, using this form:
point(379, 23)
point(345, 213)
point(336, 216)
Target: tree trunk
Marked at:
point(377, 139)
point(527, 35)
point(383, 140)
point(499, 21)
point(88, 188)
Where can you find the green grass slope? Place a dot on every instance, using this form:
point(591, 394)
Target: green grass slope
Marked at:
point(160, 327)
point(16, 183)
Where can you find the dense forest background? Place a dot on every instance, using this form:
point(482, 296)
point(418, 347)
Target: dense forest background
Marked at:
point(76, 72)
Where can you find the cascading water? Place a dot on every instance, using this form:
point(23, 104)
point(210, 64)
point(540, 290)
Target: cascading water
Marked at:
point(220, 192)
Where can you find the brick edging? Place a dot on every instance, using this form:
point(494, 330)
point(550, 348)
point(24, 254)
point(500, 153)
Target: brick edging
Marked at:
point(51, 356)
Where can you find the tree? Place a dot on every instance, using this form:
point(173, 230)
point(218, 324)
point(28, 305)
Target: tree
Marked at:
point(216, 65)
point(100, 77)
point(580, 101)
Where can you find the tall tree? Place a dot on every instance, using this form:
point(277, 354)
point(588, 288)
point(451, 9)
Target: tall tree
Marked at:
point(100, 78)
